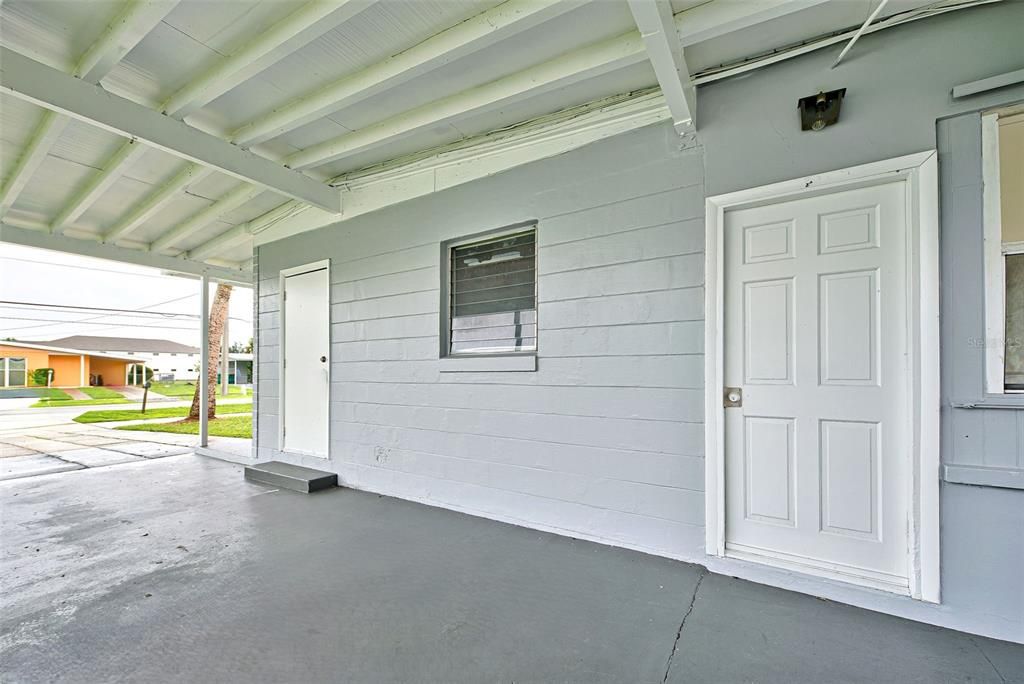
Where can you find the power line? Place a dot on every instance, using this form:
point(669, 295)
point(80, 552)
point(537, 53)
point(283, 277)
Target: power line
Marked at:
point(115, 312)
point(95, 318)
point(87, 268)
point(116, 325)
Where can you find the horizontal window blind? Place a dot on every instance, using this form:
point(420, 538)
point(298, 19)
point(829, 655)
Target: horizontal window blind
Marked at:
point(493, 291)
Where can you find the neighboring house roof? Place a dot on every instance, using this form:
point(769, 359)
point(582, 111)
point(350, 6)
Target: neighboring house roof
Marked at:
point(132, 344)
point(64, 350)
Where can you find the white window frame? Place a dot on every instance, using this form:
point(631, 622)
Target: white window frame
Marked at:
point(7, 370)
point(485, 361)
point(920, 172)
point(995, 252)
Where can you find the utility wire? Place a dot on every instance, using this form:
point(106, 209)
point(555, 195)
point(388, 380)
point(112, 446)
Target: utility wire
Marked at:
point(115, 312)
point(96, 318)
point(116, 325)
point(88, 268)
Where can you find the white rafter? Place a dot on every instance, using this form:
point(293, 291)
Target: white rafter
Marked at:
point(123, 33)
point(560, 72)
point(227, 239)
point(665, 50)
point(298, 29)
point(207, 216)
point(29, 80)
point(470, 36)
point(700, 23)
point(152, 203)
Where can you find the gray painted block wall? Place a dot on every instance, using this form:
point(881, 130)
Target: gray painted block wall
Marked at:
point(605, 439)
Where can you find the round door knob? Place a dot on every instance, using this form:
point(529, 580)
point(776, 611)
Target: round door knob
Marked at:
point(733, 397)
point(323, 359)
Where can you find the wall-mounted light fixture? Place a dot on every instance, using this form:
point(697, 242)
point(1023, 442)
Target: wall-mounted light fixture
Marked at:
point(818, 111)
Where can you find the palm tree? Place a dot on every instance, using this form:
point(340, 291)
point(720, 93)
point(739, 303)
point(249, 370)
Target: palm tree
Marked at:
point(218, 314)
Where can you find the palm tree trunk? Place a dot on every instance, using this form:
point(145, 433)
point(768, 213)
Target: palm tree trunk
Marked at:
point(218, 314)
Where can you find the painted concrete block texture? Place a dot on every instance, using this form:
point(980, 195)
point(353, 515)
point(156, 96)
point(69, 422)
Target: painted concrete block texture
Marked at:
point(605, 439)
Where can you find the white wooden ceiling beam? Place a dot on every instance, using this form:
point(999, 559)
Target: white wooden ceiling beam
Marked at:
point(563, 71)
point(298, 29)
point(124, 32)
point(122, 35)
point(207, 216)
point(295, 31)
point(152, 203)
point(49, 129)
point(470, 36)
point(35, 82)
point(97, 184)
point(665, 50)
point(215, 245)
point(581, 64)
point(42, 239)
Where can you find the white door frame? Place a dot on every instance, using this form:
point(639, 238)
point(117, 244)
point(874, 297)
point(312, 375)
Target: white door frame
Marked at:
point(920, 172)
point(324, 264)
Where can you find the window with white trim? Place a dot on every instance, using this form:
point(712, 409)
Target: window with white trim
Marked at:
point(1003, 175)
point(13, 372)
point(492, 294)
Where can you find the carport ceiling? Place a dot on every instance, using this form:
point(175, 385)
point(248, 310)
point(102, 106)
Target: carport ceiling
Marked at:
point(166, 132)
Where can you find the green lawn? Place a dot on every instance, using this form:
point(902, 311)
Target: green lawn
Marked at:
point(187, 389)
point(168, 412)
point(231, 426)
point(99, 396)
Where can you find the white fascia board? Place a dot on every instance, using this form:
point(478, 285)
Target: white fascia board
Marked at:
point(205, 217)
point(560, 72)
point(295, 31)
point(151, 205)
point(467, 161)
point(499, 23)
point(29, 80)
point(41, 239)
point(654, 19)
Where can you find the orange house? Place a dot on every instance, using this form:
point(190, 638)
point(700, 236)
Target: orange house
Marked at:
point(71, 367)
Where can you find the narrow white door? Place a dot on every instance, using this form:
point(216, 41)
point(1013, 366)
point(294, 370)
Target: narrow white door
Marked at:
point(306, 361)
point(817, 457)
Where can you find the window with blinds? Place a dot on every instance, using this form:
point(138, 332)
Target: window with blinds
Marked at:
point(493, 295)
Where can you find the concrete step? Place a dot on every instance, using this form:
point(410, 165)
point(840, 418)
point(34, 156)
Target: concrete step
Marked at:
point(288, 476)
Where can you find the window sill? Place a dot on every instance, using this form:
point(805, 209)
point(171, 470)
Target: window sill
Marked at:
point(1007, 478)
point(487, 364)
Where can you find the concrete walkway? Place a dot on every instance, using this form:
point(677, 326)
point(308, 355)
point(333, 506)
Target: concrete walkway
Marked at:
point(179, 570)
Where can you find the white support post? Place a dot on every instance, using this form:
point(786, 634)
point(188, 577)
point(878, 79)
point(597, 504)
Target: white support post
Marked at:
point(204, 361)
point(81, 371)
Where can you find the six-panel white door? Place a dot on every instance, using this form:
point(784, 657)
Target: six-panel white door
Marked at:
point(306, 362)
point(817, 458)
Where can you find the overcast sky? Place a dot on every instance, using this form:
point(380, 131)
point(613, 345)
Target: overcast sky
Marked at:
point(38, 276)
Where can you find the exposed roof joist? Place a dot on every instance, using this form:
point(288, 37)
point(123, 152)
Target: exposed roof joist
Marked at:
point(37, 83)
point(123, 33)
point(298, 29)
point(197, 222)
point(700, 23)
point(665, 50)
point(472, 35)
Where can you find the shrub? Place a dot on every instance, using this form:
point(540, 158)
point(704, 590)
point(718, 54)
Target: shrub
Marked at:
point(40, 376)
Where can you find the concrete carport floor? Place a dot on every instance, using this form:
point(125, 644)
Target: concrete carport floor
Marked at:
point(178, 570)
